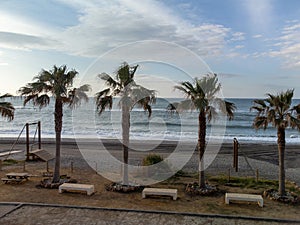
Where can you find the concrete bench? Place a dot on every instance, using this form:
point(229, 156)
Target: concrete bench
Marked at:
point(244, 197)
point(160, 192)
point(88, 188)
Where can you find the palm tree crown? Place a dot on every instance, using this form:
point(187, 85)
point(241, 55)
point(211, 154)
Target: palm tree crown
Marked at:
point(7, 109)
point(125, 87)
point(201, 96)
point(57, 83)
point(277, 110)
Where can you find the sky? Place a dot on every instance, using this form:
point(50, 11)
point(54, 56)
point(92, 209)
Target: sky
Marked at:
point(253, 45)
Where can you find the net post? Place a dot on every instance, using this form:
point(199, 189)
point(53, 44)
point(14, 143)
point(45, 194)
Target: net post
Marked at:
point(39, 135)
point(27, 141)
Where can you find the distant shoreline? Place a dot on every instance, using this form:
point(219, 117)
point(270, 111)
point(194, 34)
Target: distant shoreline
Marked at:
point(69, 140)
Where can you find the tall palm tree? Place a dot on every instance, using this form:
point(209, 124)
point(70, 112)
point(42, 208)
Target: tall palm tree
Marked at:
point(131, 94)
point(7, 109)
point(201, 96)
point(56, 83)
point(277, 110)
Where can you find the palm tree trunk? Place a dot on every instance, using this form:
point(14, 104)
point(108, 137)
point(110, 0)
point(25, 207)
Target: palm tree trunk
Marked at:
point(58, 114)
point(281, 152)
point(125, 137)
point(201, 146)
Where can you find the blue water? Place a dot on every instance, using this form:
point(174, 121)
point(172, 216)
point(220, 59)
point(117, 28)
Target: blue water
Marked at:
point(84, 122)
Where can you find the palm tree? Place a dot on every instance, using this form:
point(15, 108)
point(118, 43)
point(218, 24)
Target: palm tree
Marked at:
point(131, 94)
point(277, 110)
point(7, 109)
point(57, 83)
point(201, 96)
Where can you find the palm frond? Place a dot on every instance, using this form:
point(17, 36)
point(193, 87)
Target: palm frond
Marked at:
point(189, 87)
point(69, 77)
point(185, 105)
point(45, 76)
point(172, 107)
point(77, 95)
point(25, 90)
point(145, 104)
point(211, 113)
point(260, 102)
point(201, 103)
point(29, 98)
point(183, 90)
point(103, 103)
point(108, 80)
point(125, 74)
point(41, 101)
point(7, 110)
point(102, 94)
point(293, 121)
point(5, 96)
point(260, 122)
point(39, 87)
point(209, 85)
point(230, 108)
point(296, 108)
point(259, 109)
point(139, 92)
point(147, 108)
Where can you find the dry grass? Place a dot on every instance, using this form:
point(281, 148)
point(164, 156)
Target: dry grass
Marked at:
point(28, 192)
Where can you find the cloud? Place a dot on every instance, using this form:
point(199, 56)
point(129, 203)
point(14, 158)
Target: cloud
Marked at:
point(3, 64)
point(260, 14)
point(287, 46)
point(120, 22)
point(228, 75)
point(22, 41)
point(15, 23)
point(239, 46)
point(257, 36)
point(238, 36)
point(103, 25)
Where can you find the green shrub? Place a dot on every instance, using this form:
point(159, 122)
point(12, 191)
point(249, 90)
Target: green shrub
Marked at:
point(8, 162)
point(152, 159)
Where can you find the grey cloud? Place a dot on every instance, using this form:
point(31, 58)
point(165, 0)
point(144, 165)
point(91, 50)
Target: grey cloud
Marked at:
point(22, 41)
point(103, 25)
point(229, 75)
point(103, 28)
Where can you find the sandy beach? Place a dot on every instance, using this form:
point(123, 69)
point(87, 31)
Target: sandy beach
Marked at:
point(252, 156)
point(261, 157)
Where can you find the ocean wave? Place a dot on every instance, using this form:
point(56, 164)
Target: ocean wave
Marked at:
point(161, 126)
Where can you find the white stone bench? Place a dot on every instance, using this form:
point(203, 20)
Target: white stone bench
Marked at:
point(88, 188)
point(160, 191)
point(244, 197)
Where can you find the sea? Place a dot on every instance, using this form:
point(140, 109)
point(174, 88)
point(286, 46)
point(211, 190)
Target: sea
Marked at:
point(84, 122)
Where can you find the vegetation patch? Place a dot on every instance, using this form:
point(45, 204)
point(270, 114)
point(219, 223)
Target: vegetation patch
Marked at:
point(122, 188)
point(286, 198)
point(8, 162)
point(195, 189)
point(152, 159)
point(48, 182)
point(244, 182)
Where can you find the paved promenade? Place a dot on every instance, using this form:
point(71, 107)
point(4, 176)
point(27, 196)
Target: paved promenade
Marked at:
point(26, 213)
